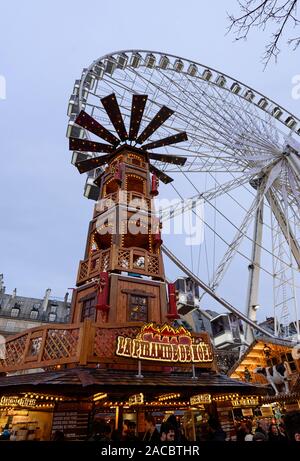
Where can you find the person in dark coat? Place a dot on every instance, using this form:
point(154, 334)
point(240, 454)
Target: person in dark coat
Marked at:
point(167, 432)
point(215, 431)
point(292, 425)
point(261, 429)
point(58, 436)
point(129, 433)
point(274, 435)
point(151, 434)
point(179, 437)
point(101, 432)
point(5, 434)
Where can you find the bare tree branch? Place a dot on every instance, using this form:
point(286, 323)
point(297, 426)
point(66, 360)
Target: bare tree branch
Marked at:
point(261, 14)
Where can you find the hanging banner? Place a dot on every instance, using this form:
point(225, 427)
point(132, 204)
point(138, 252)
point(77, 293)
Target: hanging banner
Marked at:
point(166, 344)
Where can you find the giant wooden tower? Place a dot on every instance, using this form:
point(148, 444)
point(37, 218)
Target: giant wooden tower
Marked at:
point(122, 308)
point(121, 281)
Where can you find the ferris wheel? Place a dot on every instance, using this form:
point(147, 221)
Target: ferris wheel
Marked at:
point(243, 162)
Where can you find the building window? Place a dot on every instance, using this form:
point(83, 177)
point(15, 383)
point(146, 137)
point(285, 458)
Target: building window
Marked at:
point(89, 309)
point(12, 326)
point(15, 312)
point(34, 314)
point(53, 308)
point(52, 317)
point(138, 308)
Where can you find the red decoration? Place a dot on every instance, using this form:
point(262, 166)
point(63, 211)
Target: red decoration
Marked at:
point(103, 292)
point(157, 240)
point(172, 315)
point(119, 170)
point(154, 185)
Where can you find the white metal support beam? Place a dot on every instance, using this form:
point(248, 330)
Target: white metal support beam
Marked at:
point(214, 295)
point(254, 267)
point(284, 226)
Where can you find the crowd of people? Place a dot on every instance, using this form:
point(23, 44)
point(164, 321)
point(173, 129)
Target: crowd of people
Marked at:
point(246, 431)
point(287, 429)
point(170, 431)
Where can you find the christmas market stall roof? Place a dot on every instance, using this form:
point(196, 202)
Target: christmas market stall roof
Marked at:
point(120, 384)
point(265, 352)
point(257, 355)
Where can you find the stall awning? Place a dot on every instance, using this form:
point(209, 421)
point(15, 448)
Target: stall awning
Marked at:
point(86, 380)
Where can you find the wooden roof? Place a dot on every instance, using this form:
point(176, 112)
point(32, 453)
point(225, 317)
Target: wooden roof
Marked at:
point(85, 381)
point(254, 353)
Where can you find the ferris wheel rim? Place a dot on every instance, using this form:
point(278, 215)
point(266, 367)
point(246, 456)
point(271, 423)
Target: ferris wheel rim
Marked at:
point(190, 61)
point(254, 112)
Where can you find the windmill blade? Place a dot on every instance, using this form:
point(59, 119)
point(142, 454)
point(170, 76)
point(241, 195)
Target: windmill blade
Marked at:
point(137, 112)
point(90, 124)
point(162, 115)
point(160, 174)
point(90, 164)
point(175, 160)
point(84, 145)
point(112, 109)
point(182, 136)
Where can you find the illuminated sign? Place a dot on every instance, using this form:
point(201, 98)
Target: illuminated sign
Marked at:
point(16, 401)
point(99, 396)
point(245, 402)
point(247, 412)
point(170, 396)
point(200, 399)
point(136, 399)
point(266, 411)
point(165, 344)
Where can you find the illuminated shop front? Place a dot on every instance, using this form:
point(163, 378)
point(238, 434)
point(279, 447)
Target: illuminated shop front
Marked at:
point(29, 416)
point(281, 398)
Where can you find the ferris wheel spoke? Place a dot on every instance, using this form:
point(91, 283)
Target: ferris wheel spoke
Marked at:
point(234, 245)
point(187, 204)
point(206, 133)
point(284, 224)
point(264, 191)
point(221, 238)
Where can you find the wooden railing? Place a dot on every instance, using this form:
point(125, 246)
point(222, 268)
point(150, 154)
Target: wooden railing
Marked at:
point(56, 345)
point(123, 259)
point(138, 200)
point(84, 344)
point(43, 346)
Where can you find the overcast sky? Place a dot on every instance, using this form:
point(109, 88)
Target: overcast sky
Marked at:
point(44, 47)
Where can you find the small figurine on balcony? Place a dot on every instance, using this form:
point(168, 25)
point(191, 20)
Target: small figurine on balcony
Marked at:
point(247, 375)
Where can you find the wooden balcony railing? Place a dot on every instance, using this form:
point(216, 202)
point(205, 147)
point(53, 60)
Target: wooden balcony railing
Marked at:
point(136, 199)
point(123, 259)
point(43, 346)
point(84, 344)
point(56, 345)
